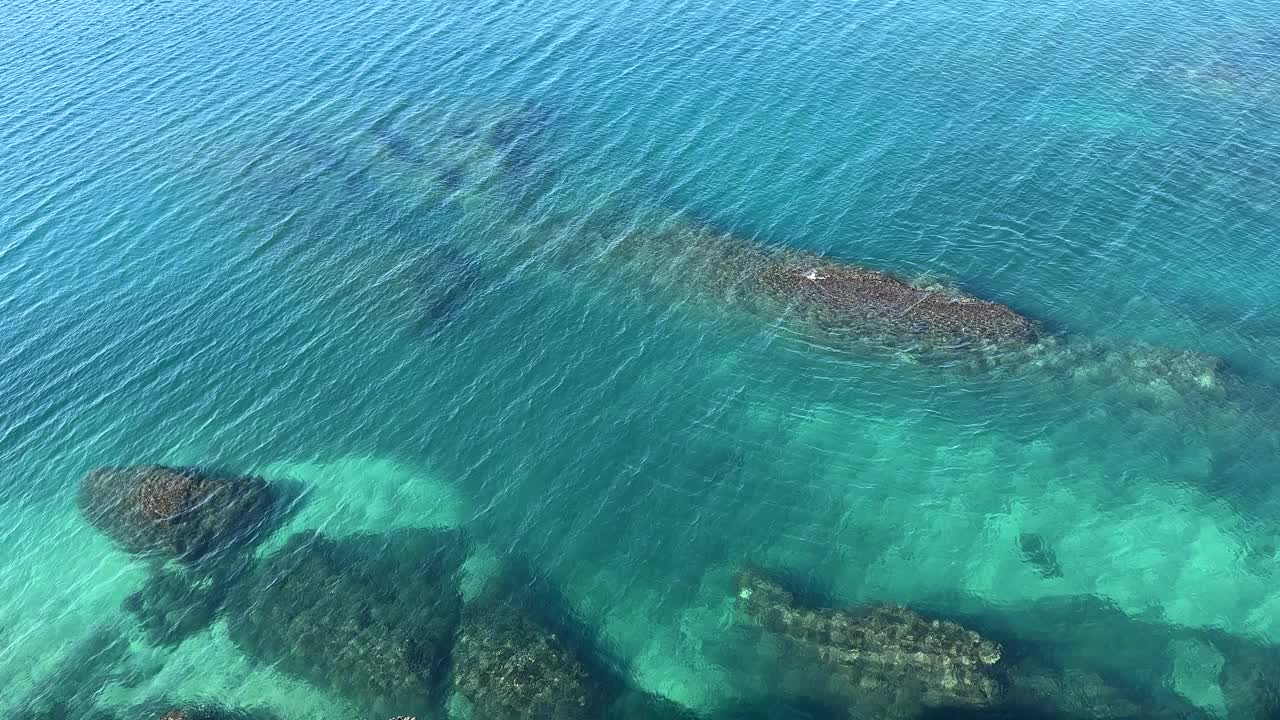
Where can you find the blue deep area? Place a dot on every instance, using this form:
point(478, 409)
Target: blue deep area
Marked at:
point(260, 237)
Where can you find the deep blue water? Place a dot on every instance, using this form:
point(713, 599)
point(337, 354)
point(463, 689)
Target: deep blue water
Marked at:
point(265, 237)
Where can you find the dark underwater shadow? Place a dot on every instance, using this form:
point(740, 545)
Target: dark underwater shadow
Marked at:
point(446, 282)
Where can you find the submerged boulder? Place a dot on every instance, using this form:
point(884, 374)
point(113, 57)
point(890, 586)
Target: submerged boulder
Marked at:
point(511, 667)
point(523, 653)
point(880, 659)
point(372, 616)
point(185, 513)
point(844, 300)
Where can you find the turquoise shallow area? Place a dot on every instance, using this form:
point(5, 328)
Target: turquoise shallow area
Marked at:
point(258, 236)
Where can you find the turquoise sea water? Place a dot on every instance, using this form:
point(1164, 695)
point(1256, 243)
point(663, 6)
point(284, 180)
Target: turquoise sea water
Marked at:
point(262, 237)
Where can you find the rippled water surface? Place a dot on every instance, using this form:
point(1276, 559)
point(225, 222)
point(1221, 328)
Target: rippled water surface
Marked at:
point(486, 266)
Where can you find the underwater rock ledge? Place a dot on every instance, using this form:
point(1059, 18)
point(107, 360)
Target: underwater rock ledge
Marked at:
point(885, 659)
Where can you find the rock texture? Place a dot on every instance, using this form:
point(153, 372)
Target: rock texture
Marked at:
point(188, 514)
point(511, 668)
point(846, 297)
point(846, 301)
point(880, 658)
point(372, 616)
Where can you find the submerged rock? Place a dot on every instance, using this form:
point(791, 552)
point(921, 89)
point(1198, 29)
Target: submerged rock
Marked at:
point(372, 616)
point(850, 298)
point(523, 654)
point(883, 659)
point(841, 299)
point(511, 667)
point(187, 514)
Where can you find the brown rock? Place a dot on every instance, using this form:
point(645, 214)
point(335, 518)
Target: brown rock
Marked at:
point(512, 668)
point(182, 513)
point(881, 658)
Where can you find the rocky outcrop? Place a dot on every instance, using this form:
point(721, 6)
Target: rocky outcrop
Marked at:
point(524, 654)
point(842, 300)
point(882, 659)
point(511, 668)
point(372, 616)
point(188, 514)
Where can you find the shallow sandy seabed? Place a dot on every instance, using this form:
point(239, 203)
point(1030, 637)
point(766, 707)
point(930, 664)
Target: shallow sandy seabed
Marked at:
point(365, 494)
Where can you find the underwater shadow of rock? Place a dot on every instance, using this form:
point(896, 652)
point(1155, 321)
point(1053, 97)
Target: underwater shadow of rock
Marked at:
point(503, 150)
point(781, 709)
point(446, 280)
point(372, 616)
point(174, 604)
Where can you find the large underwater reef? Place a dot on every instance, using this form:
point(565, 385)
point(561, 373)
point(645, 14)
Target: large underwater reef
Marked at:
point(382, 618)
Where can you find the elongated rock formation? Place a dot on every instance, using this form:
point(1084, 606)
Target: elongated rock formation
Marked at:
point(502, 162)
point(186, 514)
point(849, 297)
point(830, 295)
point(882, 658)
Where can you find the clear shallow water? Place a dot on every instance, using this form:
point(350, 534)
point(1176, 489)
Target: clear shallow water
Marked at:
point(239, 236)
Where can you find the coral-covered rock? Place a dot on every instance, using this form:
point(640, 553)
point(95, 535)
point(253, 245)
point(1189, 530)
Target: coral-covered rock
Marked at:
point(880, 658)
point(511, 667)
point(183, 513)
point(372, 616)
